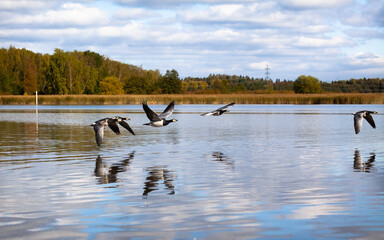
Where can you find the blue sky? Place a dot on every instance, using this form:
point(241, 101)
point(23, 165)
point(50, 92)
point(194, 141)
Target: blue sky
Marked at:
point(328, 39)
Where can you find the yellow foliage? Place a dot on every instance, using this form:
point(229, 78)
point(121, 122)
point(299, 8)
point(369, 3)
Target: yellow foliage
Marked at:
point(111, 86)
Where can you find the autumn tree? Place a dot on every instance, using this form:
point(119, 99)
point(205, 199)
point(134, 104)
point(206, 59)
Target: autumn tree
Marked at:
point(111, 86)
point(307, 84)
point(30, 76)
point(220, 85)
point(5, 81)
point(59, 73)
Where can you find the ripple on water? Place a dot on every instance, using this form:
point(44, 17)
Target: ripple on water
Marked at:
point(278, 171)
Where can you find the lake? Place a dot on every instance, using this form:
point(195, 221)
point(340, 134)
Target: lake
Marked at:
point(259, 171)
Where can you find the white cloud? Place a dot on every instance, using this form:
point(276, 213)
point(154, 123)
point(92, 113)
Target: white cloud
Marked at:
point(315, 3)
point(367, 59)
point(133, 30)
point(259, 65)
point(68, 15)
point(227, 36)
point(176, 3)
point(323, 42)
point(12, 5)
point(253, 16)
point(135, 13)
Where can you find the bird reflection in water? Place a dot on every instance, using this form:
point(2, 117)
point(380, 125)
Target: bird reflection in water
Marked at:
point(221, 157)
point(157, 175)
point(108, 174)
point(360, 166)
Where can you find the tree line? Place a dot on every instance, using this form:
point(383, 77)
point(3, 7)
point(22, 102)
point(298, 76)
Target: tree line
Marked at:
point(25, 72)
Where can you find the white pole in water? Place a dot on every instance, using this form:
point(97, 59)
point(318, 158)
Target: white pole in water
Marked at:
point(37, 117)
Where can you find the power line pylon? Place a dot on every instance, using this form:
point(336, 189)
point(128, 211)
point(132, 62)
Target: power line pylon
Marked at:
point(267, 73)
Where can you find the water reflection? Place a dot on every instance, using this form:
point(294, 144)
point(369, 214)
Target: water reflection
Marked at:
point(73, 193)
point(157, 175)
point(360, 166)
point(108, 174)
point(221, 157)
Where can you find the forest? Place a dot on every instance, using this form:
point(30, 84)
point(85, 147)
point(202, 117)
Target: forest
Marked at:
point(23, 72)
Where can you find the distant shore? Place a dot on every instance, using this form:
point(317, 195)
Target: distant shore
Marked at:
point(279, 98)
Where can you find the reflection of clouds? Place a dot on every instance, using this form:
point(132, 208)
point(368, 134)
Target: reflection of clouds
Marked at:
point(221, 157)
point(361, 166)
point(314, 204)
point(156, 175)
point(108, 174)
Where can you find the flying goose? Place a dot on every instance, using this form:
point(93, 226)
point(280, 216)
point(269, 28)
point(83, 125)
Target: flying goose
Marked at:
point(161, 119)
point(99, 126)
point(219, 111)
point(358, 119)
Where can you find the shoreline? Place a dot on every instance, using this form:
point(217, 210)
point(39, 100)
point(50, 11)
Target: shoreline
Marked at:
point(278, 98)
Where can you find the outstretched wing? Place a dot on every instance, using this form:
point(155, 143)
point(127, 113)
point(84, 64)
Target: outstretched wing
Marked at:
point(99, 133)
point(209, 113)
point(226, 106)
point(113, 125)
point(126, 126)
point(369, 119)
point(358, 121)
point(151, 115)
point(168, 111)
point(218, 111)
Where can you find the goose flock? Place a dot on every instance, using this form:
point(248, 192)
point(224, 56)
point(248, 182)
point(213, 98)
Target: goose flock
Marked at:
point(160, 120)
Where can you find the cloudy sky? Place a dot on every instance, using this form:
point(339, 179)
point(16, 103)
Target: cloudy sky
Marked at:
point(328, 39)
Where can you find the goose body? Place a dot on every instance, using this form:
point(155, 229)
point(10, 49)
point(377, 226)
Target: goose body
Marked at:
point(159, 120)
point(100, 125)
point(219, 111)
point(358, 119)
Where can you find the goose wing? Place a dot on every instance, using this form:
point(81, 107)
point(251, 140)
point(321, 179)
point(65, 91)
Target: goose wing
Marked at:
point(126, 126)
point(209, 113)
point(369, 119)
point(113, 125)
point(218, 111)
point(226, 106)
point(151, 115)
point(358, 121)
point(99, 133)
point(168, 111)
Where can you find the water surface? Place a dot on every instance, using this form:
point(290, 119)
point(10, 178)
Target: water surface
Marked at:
point(260, 171)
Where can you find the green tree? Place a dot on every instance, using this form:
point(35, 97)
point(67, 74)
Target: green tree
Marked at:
point(15, 69)
point(111, 86)
point(91, 82)
point(43, 74)
point(30, 77)
point(307, 84)
point(170, 82)
point(5, 81)
point(59, 73)
point(220, 85)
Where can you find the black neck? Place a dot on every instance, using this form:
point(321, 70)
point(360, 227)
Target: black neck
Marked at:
point(166, 122)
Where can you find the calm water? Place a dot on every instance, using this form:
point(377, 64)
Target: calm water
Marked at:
point(260, 171)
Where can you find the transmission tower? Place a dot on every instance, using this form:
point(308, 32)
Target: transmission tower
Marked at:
point(267, 73)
